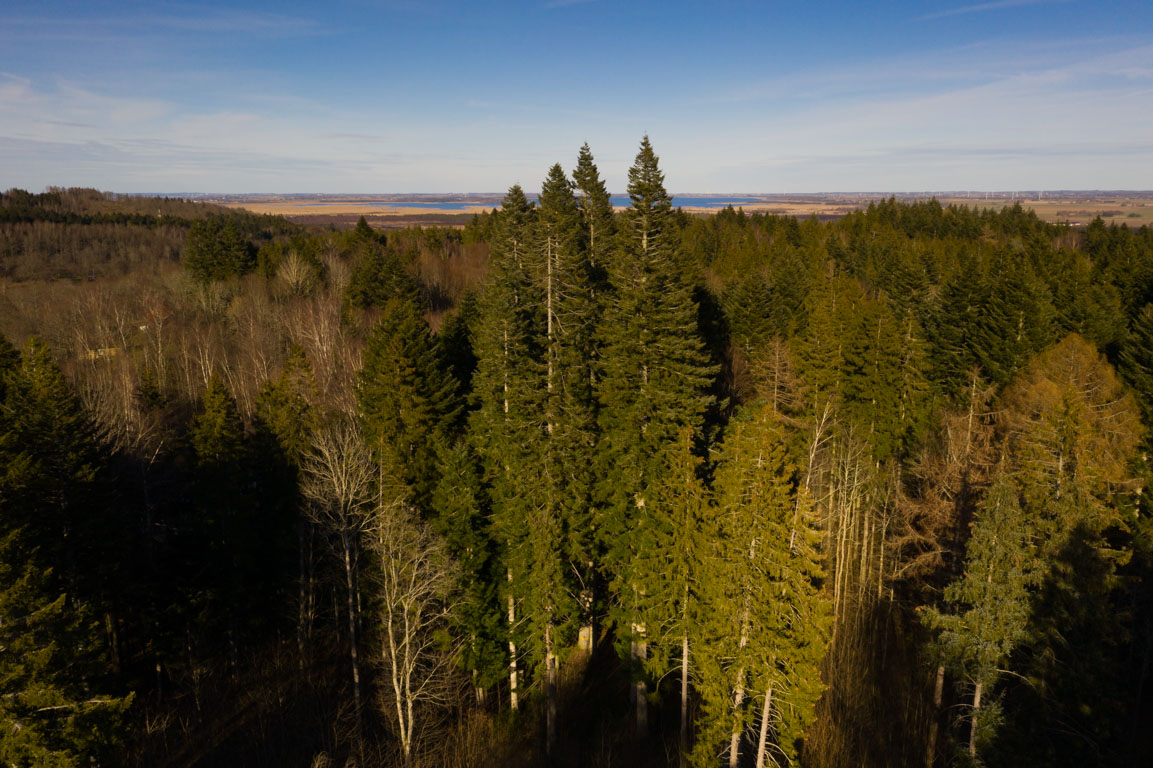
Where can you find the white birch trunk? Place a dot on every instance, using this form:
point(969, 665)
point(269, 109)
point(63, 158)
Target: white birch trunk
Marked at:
point(973, 722)
point(513, 699)
point(766, 713)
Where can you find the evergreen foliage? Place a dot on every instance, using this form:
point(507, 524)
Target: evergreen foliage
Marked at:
point(768, 618)
point(407, 401)
point(58, 708)
point(215, 250)
point(653, 379)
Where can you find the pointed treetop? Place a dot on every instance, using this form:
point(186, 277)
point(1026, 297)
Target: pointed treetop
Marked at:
point(647, 182)
point(587, 177)
point(556, 193)
point(515, 202)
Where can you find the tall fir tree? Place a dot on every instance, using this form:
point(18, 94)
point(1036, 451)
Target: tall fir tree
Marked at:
point(674, 566)
point(460, 515)
point(508, 390)
point(769, 617)
point(653, 380)
point(596, 209)
point(407, 401)
point(988, 605)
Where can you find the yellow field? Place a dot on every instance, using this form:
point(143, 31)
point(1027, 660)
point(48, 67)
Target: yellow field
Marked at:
point(1135, 211)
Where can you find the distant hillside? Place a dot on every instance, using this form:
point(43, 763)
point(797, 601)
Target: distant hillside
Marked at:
point(84, 233)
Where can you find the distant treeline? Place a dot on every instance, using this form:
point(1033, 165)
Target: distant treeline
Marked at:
point(82, 233)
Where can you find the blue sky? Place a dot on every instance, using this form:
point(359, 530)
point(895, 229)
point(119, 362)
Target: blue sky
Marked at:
point(437, 96)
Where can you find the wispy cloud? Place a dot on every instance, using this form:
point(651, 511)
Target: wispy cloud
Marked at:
point(178, 18)
point(999, 5)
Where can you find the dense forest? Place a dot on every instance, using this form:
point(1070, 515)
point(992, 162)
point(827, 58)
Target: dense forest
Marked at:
point(573, 486)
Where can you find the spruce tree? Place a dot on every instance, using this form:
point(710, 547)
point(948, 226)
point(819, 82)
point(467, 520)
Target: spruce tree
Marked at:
point(596, 210)
point(769, 618)
point(57, 708)
point(285, 408)
point(382, 274)
point(675, 534)
point(407, 401)
point(1136, 363)
point(460, 515)
point(571, 312)
point(223, 532)
point(215, 250)
point(653, 380)
point(508, 391)
point(988, 605)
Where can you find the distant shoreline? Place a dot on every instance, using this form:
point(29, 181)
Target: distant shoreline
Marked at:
point(1071, 207)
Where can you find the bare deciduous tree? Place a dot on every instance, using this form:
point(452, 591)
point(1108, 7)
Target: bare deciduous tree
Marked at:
point(338, 481)
point(415, 579)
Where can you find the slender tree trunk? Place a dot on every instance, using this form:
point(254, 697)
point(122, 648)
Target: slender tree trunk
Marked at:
point(302, 598)
point(513, 698)
point(973, 722)
point(934, 724)
point(640, 690)
point(684, 743)
point(766, 714)
point(550, 690)
point(735, 739)
point(352, 646)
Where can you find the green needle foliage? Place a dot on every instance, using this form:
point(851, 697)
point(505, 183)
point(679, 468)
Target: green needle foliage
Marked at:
point(56, 708)
point(654, 375)
point(216, 250)
point(407, 401)
point(768, 616)
point(988, 606)
point(596, 210)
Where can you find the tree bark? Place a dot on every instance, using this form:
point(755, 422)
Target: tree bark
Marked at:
point(352, 645)
point(973, 722)
point(684, 696)
point(934, 724)
point(762, 742)
point(640, 690)
point(550, 690)
point(735, 740)
point(513, 699)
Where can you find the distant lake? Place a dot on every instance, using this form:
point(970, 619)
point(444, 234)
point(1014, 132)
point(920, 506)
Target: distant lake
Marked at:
point(445, 206)
point(623, 201)
point(620, 201)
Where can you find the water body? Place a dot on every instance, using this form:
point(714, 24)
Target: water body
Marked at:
point(620, 201)
point(697, 202)
point(445, 206)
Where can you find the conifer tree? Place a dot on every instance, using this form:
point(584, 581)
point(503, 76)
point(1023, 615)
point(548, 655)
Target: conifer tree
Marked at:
point(570, 408)
point(769, 618)
point(57, 709)
point(219, 455)
point(460, 513)
point(1136, 363)
point(215, 250)
point(454, 344)
point(1072, 434)
point(596, 210)
point(380, 276)
point(285, 407)
point(508, 392)
point(990, 604)
point(1015, 322)
point(676, 537)
point(653, 380)
point(872, 376)
point(407, 401)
